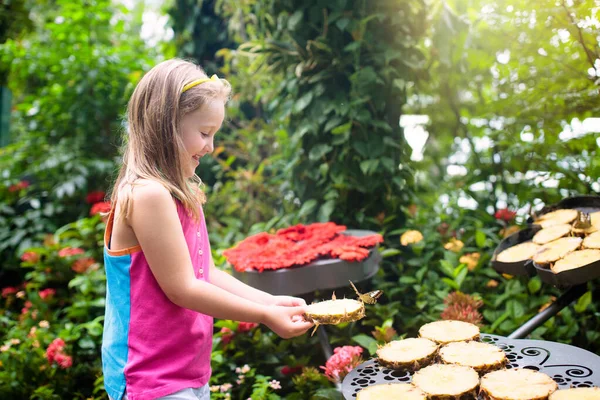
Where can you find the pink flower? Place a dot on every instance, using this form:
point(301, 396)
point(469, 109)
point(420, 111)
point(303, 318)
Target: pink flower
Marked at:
point(69, 251)
point(47, 293)
point(101, 207)
point(343, 360)
point(95, 197)
point(25, 309)
point(30, 256)
point(246, 326)
point(8, 291)
point(54, 348)
point(226, 335)
point(505, 214)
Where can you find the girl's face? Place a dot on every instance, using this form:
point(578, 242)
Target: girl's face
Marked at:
point(198, 131)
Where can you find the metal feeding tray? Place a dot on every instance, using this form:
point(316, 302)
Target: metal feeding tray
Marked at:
point(587, 204)
point(568, 365)
point(319, 275)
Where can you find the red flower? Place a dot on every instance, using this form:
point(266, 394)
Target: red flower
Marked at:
point(343, 360)
point(505, 215)
point(246, 326)
point(18, 186)
point(8, 291)
point(101, 207)
point(30, 256)
point(70, 251)
point(82, 265)
point(287, 370)
point(298, 245)
point(63, 360)
point(47, 293)
point(226, 335)
point(95, 197)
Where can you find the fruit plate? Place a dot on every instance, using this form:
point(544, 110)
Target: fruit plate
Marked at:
point(322, 274)
point(568, 365)
point(524, 267)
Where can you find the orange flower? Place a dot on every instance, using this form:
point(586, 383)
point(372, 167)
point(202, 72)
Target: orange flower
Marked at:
point(82, 265)
point(410, 237)
point(492, 283)
point(30, 256)
point(454, 245)
point(471, 259)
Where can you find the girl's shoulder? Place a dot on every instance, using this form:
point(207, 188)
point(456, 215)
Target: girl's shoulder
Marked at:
point(145, 190)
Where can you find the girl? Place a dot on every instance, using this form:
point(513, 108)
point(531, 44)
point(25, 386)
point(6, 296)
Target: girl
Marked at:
point(163, 289)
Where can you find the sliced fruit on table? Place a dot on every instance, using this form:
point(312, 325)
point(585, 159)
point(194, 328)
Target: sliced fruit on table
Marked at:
point(482, 357)
point(520, 252)
point(517, 384)
point(557, 249)
point(576, 259)
point(449, 331)
point(407, 354)
point(576, 394)
point(551, 233)
point(447, 381)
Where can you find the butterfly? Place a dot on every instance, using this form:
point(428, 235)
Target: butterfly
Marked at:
point(369, 298)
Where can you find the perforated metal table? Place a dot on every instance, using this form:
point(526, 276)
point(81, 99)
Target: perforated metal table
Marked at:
point(568, 365)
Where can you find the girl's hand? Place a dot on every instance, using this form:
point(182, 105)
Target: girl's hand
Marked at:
point(287, 301)
point(286, 321)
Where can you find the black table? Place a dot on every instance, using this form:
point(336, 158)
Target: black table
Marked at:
point(568, 365)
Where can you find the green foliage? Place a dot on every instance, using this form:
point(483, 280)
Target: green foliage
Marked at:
point(71, 77)
point(62, 297)
point(344, 65)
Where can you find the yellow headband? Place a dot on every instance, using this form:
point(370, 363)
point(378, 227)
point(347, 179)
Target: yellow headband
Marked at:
point(199, 81)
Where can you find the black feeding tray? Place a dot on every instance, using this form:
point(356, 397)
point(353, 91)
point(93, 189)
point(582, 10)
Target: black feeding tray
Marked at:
point(524, 267)
point(568, 365)
point(587, 204)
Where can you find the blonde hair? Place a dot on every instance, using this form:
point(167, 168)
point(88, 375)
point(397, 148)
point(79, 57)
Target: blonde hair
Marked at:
point(153, 147)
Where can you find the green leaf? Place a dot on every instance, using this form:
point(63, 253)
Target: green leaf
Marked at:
point(534, 285)
point(295, 19)
point(390, 253)
point(303, 102)
point(367, 342)
point(319, 151)
point(583, 302)
point(342, 128)
point(480, 238)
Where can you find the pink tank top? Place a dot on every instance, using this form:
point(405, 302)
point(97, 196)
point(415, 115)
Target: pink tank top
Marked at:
point(152, 347)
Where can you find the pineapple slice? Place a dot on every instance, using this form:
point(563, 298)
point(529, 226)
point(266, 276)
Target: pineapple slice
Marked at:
point(447, 381)
point(564, 216)
point(552, 233)
point(577, 394)
point(520, 252)
point(335, 311)
point(482, 357)
point(443, 332)
point(556, 250)
point(404, 391)
point(517, 384)
point(575, 260)
point(592, 241)
point(411, 354)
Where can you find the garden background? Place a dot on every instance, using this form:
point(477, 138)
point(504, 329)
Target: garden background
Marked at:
point(455, 118)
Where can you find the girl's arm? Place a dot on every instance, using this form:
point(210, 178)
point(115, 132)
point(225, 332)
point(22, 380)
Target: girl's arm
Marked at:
point(156, 224)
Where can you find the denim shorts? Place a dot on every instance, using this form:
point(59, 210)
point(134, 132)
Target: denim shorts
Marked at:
point(202, 393)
